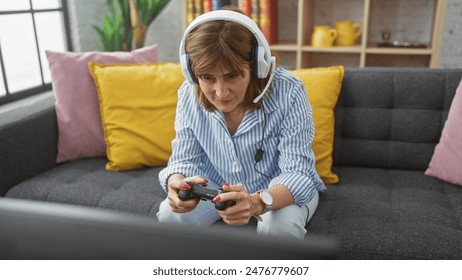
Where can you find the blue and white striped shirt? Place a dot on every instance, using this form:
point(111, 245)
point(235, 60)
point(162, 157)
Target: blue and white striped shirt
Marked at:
point(203, 145)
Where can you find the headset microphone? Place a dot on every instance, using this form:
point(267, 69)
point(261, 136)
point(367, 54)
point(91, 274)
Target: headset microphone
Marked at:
point(259, 155)
point(273, 68)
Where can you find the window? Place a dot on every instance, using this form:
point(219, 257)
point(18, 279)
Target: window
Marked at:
point(27, 29)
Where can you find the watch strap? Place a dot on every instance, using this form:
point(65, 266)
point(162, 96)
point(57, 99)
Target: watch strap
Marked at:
point(267, 206)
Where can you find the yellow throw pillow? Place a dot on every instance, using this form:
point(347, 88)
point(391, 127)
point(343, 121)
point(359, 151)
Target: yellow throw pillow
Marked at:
point(323, 87)
point(137, 106)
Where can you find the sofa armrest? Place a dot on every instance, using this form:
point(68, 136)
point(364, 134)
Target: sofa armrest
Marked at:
point(28, 140)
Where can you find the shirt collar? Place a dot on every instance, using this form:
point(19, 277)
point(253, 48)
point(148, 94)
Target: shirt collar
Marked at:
point(269, 104)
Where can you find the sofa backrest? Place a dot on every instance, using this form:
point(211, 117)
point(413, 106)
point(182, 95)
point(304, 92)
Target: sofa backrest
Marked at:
point(392, 117)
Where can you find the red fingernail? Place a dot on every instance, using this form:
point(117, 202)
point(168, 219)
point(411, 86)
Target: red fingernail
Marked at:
point(216, 199)
point(186, 186)
point(225, 184)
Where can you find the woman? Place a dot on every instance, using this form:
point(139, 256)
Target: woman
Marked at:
point(246, 131)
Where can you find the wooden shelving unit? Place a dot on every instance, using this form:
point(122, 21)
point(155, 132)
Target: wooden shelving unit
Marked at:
point(295, 51)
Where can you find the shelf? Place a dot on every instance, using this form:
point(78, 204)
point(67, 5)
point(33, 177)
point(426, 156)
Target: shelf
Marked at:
point(399, 51)
point(408, 21)
point(335, 49)
point(284, 47)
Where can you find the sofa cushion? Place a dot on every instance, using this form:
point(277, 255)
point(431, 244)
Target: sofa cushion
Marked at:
point(79, 122)
point(391, 214)
point(86, 182)
point(446, 162)
point(28, 137)
point(323, 86)
point(137, 105)
point(391, 118)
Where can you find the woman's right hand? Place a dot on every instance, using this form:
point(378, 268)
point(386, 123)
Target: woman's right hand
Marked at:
point(176, 183)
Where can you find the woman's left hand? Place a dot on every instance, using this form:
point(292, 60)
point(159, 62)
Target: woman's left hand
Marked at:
point(247, 205)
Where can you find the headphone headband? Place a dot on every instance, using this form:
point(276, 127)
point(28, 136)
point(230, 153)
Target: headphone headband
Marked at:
point(263, 57)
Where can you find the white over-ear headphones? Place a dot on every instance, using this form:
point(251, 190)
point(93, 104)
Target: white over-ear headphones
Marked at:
point(264, 62)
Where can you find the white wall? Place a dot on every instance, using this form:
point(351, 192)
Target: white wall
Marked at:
point(166, 29)
point(451, 53)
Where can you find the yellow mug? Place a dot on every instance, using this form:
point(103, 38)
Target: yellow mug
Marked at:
point(323, 36)
point(347, 32)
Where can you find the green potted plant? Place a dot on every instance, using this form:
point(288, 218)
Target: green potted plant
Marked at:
point(128, 23)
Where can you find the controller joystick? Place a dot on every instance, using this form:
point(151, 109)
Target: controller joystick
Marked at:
point(202, 192)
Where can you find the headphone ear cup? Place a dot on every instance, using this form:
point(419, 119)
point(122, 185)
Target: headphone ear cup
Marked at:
point(261, 65)
point(186, 69)
point(190, 71)
point(255, 61)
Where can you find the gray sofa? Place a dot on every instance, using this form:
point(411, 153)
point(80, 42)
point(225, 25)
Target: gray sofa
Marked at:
point(388, 121)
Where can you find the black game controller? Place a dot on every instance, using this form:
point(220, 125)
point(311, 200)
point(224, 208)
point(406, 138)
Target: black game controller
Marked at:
point(201, 191)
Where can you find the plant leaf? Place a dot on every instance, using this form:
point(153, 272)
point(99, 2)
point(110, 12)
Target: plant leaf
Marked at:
point(107, 25)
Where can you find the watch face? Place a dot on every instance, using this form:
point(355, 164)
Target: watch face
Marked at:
point(266, 197)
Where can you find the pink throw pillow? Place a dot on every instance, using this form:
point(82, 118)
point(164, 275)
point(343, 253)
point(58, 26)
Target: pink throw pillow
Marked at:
point(77, 106)
point(447, 157)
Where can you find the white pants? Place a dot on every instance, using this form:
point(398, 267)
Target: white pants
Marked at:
point(288, 221)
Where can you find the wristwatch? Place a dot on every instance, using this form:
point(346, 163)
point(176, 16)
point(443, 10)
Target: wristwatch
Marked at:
point(267, 199)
